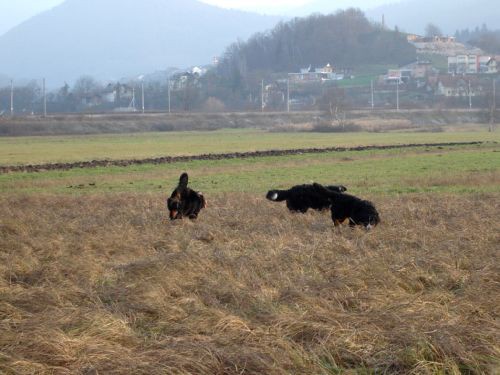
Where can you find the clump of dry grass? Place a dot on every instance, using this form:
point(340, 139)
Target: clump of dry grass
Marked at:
point(105, 284)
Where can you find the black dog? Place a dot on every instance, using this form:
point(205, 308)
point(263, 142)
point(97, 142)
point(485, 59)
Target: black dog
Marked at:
point(345, 206)
point(185, 201)
point(302, 197)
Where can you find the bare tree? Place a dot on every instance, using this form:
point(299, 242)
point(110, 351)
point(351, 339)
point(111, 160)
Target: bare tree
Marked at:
point(433, 30)
point(86, 86)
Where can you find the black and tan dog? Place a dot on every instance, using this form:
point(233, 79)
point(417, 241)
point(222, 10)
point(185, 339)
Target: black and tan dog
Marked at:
point(185, 202)
point(348, 207)
point(300, 198)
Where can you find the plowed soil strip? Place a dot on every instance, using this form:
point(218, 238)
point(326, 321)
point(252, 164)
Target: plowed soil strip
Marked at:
point(233, 155)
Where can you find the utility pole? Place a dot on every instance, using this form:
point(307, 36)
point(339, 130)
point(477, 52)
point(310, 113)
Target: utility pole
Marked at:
point(470, 97)
point(12, 98)
point(493, 105)
point(494, 94)
point(373, 102)
point(143, 106)
point(262, 96)
point(397, 96)
point(288, 95)
point(169, 102)
point(44, 99)
point(132, 102)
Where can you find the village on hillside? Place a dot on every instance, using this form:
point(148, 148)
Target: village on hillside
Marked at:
point(446, 74)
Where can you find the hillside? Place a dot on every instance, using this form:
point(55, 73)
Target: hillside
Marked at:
point(114, 38)
point(12, 13)
point(345, 39)
point(450, 15)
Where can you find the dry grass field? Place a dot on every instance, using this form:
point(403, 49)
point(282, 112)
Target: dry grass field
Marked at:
point(104, 284)
point(95, 280)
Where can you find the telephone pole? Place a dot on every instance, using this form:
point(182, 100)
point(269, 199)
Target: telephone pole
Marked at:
point(132, 102)
point(262, 96)
point(169, 99)
point(288, 95)
point(493, 105)
point(11, 98)
point(470, 97)
point(397, 96)
point(373, 102)
point(44, 99)
point(143, 104)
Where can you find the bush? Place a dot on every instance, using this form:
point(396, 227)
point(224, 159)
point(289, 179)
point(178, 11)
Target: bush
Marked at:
point(326, 127)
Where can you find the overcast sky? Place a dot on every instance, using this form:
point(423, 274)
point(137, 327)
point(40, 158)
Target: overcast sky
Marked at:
point(13, 12)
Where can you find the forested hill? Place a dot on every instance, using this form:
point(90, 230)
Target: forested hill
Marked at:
point(345, 39)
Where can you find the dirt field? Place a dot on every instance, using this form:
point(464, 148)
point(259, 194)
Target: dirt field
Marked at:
point(103, 284)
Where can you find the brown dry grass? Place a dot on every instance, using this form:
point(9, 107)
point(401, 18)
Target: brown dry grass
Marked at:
point(105, 285)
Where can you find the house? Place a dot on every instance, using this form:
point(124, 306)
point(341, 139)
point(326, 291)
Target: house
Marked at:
point(398, 76)
point(417, 70)
point(115, 92)
point(327, 73)
point(492, 65)
point(456, 86)
point(420, 69)
point(472, 64)
point(413, 38)
point(463, 64)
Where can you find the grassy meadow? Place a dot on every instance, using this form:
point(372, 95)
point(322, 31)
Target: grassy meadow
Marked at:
point(94, 279)
point(39, 150)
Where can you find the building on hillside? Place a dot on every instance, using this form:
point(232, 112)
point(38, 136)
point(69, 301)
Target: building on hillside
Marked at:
point(420, 69)
point(417, 70)
point(471, 64)
point(326, 73)
point(397, 76)
point(413, 38)
point(492, 65)
point(457, 86)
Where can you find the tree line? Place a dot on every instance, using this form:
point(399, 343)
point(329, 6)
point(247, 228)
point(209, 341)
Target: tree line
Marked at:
point(482, 37)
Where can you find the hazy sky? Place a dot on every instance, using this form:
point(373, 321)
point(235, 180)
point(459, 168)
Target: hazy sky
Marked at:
point(13, 12)
point(287, 6)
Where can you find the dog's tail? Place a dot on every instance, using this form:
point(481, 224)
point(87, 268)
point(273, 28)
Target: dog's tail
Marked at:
point(183, 180)
point(277, 195)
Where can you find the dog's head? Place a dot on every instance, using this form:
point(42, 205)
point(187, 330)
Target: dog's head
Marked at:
point(175, 202)
point(326, 191)
point(337, 188)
